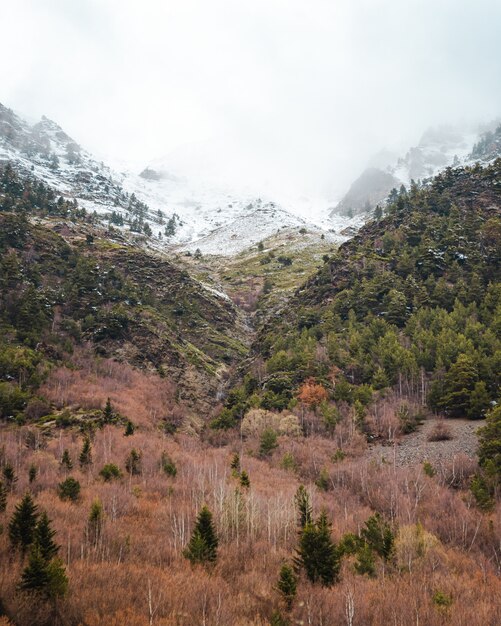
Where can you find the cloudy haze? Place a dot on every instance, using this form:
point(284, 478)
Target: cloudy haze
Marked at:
point(291, 95)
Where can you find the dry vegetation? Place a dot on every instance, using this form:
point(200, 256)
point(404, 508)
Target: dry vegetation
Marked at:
point(444, 571)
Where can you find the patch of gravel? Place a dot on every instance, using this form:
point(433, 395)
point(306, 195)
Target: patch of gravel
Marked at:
point(415, 448)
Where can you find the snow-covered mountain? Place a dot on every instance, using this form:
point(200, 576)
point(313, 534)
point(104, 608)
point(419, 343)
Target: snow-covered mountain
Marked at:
point(170, 211)
point(438, 148)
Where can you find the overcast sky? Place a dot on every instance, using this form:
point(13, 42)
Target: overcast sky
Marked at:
point(300, 93)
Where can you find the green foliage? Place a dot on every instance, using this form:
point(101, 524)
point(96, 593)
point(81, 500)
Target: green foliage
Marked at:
point(9, 476)
point(428, 469)
point(110, 471)
point(129, 429)
point(85, 458)
point(442, 600)
point(23, 524)
point(3, 497)
point(323, 482)
point(268, 442)
point(244, 479)
point(95, 521)
point(483, 492)
point(317, 554)
point(235, 463)
point(366, 563)
point(32, 474)
point(303, 505)
point(108, 413)
point(45, 578)
point(66, 461)
point(423, 306)
point(489, 451)
point(44, 538)
point(69, 489)
point(202, 547)
point(378, 535)
point(133, 463)
point(287, 585)
point(168, 465)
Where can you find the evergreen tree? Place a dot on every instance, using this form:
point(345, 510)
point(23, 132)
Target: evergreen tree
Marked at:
point(202, 547)
point(66, 461)
point(244, 479)
point(95, 522)
point(32, 474)
point(302, 500)
point(460, 382)
point(45, 578)
point(85, 458)
point(168, 465)
point(268, 442)
point(129, 429)
point(287, 585)
point(479, 401)
point(489, 451)
point(69, 489)
point(9, 476)
point(317, 554)
point(108, 413)
point(365, 563)
point(133, 462)
point(44, 538)
point(378, 535)
point(3, 497)
point(23, 524)
point(235, 464)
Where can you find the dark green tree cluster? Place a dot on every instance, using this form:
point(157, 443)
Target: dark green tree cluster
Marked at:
point(413, 302)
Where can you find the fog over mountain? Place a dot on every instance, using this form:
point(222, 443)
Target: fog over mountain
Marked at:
point(285, 97)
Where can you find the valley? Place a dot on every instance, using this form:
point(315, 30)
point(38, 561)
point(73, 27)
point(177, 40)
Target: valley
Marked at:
point(233, 415)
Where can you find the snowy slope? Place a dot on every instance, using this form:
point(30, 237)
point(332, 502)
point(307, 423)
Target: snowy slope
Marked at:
point(202, 215)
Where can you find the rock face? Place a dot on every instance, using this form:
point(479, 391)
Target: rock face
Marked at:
point(368, 190)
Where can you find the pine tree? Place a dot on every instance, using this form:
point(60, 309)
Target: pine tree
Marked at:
point(302, 500)
point(108, 413)
point(23, 524)
point(479, 401)
point(35, 577)
point(317, 554)
point(85, 458)
point(32, 474)
point(287, 585)
point(66, 461)
point(365, 563)
point(95, 522)
point(69, 489)
point(235, 464)
point(3, 497)
point(9, 476)
point(459, 384)
point(133, 463)
point(129, 429)
point(168, 465)
point(244, 479)
point(378, 536)
point(489, 451)
point(202, 547)
point(268, 442)
point(44, 538)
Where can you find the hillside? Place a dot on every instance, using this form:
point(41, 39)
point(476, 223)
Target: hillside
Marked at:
point(67, 283)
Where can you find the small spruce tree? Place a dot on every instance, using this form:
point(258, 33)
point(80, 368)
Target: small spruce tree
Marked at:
point(32, 474)
point(317, 554)
point(108, 413)
point(23, 524)
point(202, 547)
point(85, 458)
point(302, 500)
point(287, 585)
point(44, 538)
point(133, 462)
point(244, 479)
point(3, 497)
point(66, 461)
point(268, 442)
point(129, 429)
